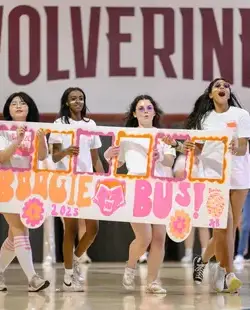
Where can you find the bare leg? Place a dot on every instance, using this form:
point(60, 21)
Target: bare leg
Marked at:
point(81, 228)
point(7, 252)
point(23, 251)
point(157, 252)
point(237, 199)
point(92, 227)
point(204, 238)
point(143, 237)
point(70, 232)
point(210, 251)
point(189, 243)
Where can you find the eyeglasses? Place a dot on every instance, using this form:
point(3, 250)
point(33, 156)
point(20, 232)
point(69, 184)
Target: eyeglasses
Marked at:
point(18, 103)
point(149, 108)
point(220, 84)
point(74, 101)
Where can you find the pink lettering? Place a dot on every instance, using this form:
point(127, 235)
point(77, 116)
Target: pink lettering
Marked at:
point(184, 198)
point(162, 204)
point(198, 198)
point(214, 223)
point(142, 201)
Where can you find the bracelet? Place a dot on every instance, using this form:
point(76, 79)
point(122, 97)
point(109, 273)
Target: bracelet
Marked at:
point(180, 148)
point(175, 146)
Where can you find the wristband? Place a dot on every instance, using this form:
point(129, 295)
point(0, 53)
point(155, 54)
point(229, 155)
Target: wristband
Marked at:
point(175, 146)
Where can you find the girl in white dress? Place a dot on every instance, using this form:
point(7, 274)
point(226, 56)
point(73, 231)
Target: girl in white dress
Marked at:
point(21, 108)
point(73, 111)
point(145, 113)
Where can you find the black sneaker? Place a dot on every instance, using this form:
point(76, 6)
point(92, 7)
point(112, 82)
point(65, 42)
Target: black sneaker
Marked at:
point(198, 269)
point(247, 257)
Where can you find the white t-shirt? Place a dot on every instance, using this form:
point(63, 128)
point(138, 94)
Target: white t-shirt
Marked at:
point(47, 164)
point(21, 158)
point(180, 166)
point(134, 152)
point(87, 143)
point(212, 152)
point(160, 169)
point(180, 163)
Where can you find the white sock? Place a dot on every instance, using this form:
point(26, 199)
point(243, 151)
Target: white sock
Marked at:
point(7, 254)
point(69, 272)
point(68, 275)
point(24, 255)
point(188, 252)
point(76, 258)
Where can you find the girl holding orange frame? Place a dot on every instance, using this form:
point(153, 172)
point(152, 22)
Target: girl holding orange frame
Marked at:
point(217, 109)
point(145, 113)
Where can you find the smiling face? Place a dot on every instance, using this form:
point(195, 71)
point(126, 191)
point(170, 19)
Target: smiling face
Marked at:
point(19, 109)
point(220, 93)
point(144, 112)
point(76, 101)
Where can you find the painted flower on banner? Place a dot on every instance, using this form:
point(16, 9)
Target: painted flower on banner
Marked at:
point(33, 213)
point(215, 203)
point(180, 225)
point(110, 195)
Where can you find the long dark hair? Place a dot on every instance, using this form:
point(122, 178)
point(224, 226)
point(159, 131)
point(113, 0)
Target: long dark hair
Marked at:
point(132, 121)
point(33, 114)
point(204, 104)
point(65, 113)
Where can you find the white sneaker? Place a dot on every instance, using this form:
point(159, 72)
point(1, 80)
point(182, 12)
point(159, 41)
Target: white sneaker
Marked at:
point(187, 259)
point(239, 259)
point(143, 258)
point(218, 277)
point(85, 259)
point(155, 288)
point(71, 284)
point(129, 279)
point(38, 284)
point(233, 283)
point(77, 271)
point(3, 287)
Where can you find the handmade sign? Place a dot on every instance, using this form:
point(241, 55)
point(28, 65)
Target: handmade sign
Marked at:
point(139, 185)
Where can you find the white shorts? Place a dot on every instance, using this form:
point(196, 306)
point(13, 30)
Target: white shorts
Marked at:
point(239, 180)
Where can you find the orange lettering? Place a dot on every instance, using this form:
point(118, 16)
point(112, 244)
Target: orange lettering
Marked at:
point(6, 191)
point(71, 201)
point(82, 189)
point(41, 181)
point(57, 193)
point(23, 190)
